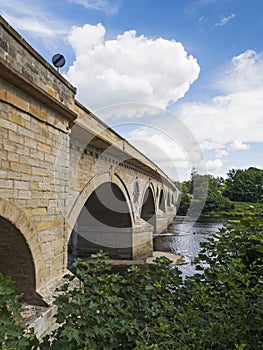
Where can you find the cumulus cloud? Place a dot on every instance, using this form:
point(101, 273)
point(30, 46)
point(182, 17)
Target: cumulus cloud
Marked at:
point(225, 20)
point(213, 165)
point(237, 112)
point(129, 68)
point(174, 151)
point(238, 145)
point(220, 153)
point(162, 150)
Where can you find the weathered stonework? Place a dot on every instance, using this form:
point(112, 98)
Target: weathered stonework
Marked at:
point(54, 154)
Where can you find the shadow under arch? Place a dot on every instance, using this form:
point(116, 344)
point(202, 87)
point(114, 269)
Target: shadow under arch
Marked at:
point(162, 201)
point(20, 252)
point(102, 219)
point(148, 207)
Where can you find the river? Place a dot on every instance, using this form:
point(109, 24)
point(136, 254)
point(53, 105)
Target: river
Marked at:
point(185, 238)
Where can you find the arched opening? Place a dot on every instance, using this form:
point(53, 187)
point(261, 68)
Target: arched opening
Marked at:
point(161, 201)
point(16, 261)
point(103, 223)
point(148, 208)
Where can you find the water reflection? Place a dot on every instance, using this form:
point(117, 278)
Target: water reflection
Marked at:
point(186, 242)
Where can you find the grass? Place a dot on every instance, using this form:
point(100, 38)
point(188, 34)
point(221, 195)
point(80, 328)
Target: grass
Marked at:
point(241, 209)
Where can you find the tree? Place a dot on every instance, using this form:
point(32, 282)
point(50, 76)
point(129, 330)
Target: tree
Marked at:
point(184, 204)
point(214, 198)
point(244, 185)
point(204, 186)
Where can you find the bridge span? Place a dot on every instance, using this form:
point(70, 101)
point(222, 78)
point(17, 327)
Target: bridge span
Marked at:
point(69, 185)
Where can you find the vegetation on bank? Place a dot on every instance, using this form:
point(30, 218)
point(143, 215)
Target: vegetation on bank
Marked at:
point(221, 307)
point(239, 195)
point(238, 210)
point(12, 334)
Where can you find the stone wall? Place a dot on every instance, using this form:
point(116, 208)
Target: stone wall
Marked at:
point(31, 175)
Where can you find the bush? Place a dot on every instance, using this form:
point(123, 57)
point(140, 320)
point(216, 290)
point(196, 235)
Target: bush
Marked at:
point(12, 334)
point(222, 307)
point(109, 310)
point(219, 308)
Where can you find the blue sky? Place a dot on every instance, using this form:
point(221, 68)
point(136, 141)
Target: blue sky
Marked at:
point(156, 70)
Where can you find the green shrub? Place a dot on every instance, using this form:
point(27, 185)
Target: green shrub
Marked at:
point(219, 308)
point(222, 307)
point(109, 310)
point(12, 334)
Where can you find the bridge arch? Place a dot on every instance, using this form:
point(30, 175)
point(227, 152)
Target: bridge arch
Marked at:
point(162, 201)
point(20, 252)
point(103, 220)
point(91, 185)
point(148, 206)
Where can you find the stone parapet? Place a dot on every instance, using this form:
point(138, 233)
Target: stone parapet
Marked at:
point(17, 53)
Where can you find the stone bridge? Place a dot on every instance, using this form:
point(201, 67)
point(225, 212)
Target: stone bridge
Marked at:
point(69, 185)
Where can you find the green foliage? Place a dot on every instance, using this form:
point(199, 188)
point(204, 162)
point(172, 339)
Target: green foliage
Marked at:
point(12, 334)
point(215, 201)
point(239, 209)
point(204, 186)
point(184, 204)
point(244, 185)
point(221, 196)
point(222, 307)
point(109, 310)
point(219, 308)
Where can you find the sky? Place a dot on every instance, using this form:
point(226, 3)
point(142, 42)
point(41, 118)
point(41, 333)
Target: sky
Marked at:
point(182, 80)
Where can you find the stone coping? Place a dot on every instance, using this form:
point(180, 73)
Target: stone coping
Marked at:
point(175, 258)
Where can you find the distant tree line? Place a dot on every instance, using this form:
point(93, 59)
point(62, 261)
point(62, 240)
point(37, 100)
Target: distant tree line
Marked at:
point(219, 193)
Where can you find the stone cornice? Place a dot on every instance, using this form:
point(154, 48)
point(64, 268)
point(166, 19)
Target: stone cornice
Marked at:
point(14, 77)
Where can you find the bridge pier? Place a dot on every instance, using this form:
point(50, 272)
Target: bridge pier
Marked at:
point(134, 243)
point(161, 221)
point(171, 212)
point(142, 240)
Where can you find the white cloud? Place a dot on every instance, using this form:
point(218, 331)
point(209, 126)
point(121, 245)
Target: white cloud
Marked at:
point(235, 114)
point(242, 75)
point(220, 153)
point(210, 145)
point(43, 26)
point(176, 153)
point(213, 165)
point(107, 6)
point(162, 150)
point(129, 68)
point(238, 145)
point(225, 20)
point(31, 17)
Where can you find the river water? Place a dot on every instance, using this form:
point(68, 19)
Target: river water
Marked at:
point(185, 238)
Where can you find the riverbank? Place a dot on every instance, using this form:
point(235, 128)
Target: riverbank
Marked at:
point(239, 210)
